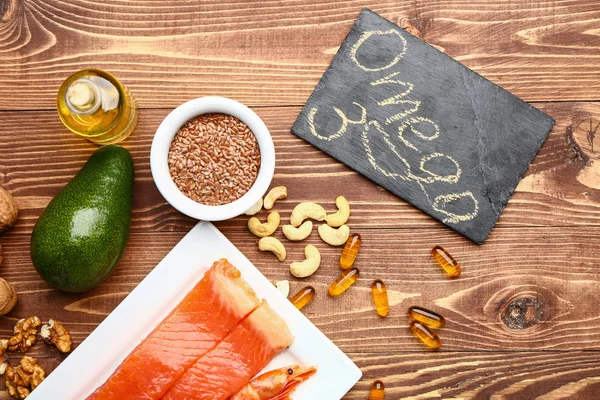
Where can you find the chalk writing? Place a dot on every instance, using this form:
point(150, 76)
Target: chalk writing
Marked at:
point(365, 36)
point(345, 122)
point(407, 175)
point(441, 201)
point(452, 178)
point(388, 79)
point(410, 123)
point(410, 127)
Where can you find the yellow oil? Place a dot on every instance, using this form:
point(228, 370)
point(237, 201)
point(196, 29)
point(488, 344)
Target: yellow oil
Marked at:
point(94, 104)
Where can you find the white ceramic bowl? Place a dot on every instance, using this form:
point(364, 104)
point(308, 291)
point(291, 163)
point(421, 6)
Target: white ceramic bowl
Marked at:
point(160, 151)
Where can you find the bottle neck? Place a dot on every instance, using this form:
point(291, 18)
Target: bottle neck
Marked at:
point(83, 97)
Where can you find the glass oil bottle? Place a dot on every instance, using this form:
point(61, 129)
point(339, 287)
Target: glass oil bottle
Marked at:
point(94, 104)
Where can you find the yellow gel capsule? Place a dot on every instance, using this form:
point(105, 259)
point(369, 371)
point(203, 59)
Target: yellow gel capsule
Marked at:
point(380, 298)
point(425, 335)
point(446, 261)
point(303, 297)
point(350, 251)
point(377, 389)
point(429, 318)
point(343, 282)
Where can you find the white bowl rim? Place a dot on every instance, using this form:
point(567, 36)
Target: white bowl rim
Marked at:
point(160, 150)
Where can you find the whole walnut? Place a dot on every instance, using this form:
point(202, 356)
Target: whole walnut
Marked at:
point(8, 297)
point(8, 210)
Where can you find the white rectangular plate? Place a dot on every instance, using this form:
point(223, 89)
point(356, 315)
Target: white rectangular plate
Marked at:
point(95, 359)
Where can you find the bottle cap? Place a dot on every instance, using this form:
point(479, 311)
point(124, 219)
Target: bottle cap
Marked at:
point(83, 97)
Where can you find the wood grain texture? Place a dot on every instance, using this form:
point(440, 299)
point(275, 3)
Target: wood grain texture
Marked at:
point(38, 156)
point(274, 53)
point(562, 314)
point(539, 261)
point(523, 320)
point(466, 375)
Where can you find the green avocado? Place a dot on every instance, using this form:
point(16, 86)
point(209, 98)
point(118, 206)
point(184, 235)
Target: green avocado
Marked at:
point(81, 235)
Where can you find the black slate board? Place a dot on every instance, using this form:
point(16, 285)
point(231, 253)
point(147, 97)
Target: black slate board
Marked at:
point(423, 126)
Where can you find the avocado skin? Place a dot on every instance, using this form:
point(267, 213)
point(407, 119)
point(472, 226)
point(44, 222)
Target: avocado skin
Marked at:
point(81, 235)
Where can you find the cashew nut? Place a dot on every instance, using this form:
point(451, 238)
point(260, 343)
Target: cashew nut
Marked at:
point(297, 234)
point(334, 237)
point(255, 208)
point(340, 217)
point(283, 287)
point(277, 193)
point(273, 245)
point(266, 229)
point(307, 210)
point(309, 266)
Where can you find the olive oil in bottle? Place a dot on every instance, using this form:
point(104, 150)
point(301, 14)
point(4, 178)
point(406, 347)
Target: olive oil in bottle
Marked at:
point(94, 104)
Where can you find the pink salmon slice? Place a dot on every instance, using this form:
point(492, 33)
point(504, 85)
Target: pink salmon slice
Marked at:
point(205, 316)
point(228, 367)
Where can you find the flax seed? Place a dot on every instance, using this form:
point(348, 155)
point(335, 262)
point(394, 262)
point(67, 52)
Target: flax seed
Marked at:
point(214, 159)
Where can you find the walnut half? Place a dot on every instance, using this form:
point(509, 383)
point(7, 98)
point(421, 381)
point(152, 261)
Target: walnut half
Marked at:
point(3, 348)
point(56, 334)
point(33, 374)
point(20, 381)
point(25, 334)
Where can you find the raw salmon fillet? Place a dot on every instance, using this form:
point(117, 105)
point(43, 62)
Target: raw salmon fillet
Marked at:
point(205, 316)
point(228, 367)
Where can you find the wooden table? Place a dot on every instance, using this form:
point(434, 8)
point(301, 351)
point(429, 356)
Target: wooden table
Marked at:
point(523, 318)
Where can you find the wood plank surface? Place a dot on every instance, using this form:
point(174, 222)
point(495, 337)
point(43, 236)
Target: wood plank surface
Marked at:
point(274, 52)
point(559, 317)
point(477, 306)
point(522, 320)
point(450, 375)
point(561, 188)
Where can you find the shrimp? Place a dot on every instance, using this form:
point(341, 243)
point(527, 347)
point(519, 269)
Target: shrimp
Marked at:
point(275, 385)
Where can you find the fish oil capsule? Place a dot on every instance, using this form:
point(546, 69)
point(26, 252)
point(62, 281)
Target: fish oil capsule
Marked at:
point(380, 298)
point(446, 261)
point(429, 318)
point(350, 251)
point(343, 282)
point(303, 297)
point(377, 389)
point(425, 335)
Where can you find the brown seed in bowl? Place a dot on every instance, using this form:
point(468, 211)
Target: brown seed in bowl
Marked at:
point(214, 159)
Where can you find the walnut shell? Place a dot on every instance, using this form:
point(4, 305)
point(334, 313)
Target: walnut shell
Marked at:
point(8, 210)
point(8, 297)
point(0, 254)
